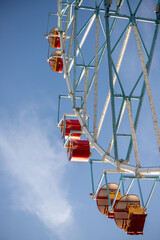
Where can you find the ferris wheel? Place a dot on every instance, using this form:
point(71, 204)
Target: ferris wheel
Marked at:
point(104, 51)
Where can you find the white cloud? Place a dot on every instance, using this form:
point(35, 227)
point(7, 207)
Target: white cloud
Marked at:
point(35, 167)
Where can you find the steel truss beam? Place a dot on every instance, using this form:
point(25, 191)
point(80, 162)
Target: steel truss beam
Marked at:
point(65, 12)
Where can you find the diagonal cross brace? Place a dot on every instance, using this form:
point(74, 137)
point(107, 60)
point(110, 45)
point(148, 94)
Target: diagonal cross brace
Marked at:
point(146, 78)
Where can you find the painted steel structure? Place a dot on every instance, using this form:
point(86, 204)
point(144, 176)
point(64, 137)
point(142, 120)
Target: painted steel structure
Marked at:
point(79, 67)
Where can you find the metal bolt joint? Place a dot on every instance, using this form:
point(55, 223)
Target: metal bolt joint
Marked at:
point(132, 19)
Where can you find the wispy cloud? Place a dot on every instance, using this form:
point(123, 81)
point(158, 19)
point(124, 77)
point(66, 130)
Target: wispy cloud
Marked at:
point(35, 166)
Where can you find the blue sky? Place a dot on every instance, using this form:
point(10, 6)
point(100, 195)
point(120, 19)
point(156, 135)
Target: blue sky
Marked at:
point(43, 196)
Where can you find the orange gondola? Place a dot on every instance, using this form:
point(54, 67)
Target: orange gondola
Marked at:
point(56, 62)
point(102, 198)
point(129, 215)
point(54, 38)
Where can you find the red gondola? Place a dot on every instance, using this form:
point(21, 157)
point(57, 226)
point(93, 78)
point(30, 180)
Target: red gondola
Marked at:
point(71, 125)
point(78, 150)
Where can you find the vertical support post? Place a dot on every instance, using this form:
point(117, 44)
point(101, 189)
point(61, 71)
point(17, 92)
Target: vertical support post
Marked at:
point(96, 81)
point(58, 108)
point(47, 35)
point(49, 48)
point(133, 133)
point(106, 6)
point(140, 191)
point(48, 24)
point(64, 122)
point(65, 65)
point(85, 95)
point(109, 200)
point(92, 179)
point(75, 54)
point(70, 44)
point(59, 14)
point(123, 186)
point(66, 30)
